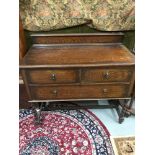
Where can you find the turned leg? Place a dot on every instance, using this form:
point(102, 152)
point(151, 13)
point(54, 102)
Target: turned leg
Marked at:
point(37, 112)
point(121, 116)
point(119, 109)
point(128, 107)
point(125, 110)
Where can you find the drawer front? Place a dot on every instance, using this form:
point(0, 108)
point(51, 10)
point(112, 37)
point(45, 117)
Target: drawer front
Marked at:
point(79, 92)
point(50, 76)
point(106, 75)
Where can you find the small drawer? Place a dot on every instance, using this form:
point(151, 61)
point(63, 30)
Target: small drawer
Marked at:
point(79, 92)
point(106, 75)
point(51, 76)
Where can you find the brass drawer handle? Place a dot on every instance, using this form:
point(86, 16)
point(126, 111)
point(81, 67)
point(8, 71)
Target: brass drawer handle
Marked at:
point(53, 77)
point(105, 90)
point(107, 75)
point(55, 92)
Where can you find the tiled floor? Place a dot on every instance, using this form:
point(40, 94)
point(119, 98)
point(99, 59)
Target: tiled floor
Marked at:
point(110, 120)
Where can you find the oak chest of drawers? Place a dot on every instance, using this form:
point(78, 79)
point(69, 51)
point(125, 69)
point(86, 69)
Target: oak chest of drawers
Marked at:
point(78, 67)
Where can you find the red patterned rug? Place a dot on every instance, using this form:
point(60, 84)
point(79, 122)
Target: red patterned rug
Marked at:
point(63, 132)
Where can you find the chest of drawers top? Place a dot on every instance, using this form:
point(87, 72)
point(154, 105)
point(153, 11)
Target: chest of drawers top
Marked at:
point(77, 56)
point(77, 50)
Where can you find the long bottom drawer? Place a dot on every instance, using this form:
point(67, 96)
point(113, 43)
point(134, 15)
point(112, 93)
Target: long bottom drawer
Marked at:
point(78, 92)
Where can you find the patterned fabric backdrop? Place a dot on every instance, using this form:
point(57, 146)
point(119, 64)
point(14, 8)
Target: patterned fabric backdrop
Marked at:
point(105, 15)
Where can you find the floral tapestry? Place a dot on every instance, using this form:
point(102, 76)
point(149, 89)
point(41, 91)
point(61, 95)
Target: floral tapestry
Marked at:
point(104, 15)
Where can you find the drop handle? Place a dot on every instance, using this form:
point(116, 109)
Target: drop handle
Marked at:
point(105, 90)
point(106, 75)
point(55, 92)
point(53, 77)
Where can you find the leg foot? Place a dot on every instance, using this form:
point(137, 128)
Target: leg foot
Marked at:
point(127, 114)
point(37, 114)
point(121, 120)
point(121, 116)
point(119, 111)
